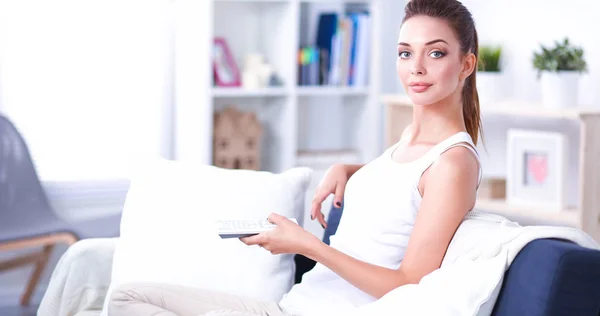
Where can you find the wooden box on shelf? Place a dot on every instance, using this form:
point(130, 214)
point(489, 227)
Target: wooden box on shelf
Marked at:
point(492, 188)
point(237, 139)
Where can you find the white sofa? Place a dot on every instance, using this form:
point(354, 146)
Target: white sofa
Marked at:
point(81, 281)
point(168, 234)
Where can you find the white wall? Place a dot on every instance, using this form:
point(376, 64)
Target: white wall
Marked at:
point(90, 86)
point(88, 95)
point(193, 113)
point(520, 26)
point(391, 18)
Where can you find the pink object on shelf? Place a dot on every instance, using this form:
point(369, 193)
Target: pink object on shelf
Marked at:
point(225, 70)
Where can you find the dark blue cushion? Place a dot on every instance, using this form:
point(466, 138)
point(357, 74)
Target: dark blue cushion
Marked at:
point(333, 220)
point(552, 278)
point(304, 264)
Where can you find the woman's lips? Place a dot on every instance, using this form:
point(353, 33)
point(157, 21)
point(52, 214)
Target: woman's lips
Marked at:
point(419, 86)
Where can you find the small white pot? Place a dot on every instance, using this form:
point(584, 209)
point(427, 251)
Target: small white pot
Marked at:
point(560, 89)
point(490, 87)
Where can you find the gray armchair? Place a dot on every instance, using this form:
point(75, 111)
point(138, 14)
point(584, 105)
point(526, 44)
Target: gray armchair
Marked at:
point(26, 216)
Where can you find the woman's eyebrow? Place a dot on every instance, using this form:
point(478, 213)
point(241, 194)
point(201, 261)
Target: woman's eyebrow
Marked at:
point(428, 43)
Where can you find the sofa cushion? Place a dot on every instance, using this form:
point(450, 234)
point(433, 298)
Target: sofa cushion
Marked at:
point(333, 221)
point(168, 231)
point(551, 277)
point(304, 264)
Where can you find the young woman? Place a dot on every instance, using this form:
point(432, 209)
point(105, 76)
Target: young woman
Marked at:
point(400, 211)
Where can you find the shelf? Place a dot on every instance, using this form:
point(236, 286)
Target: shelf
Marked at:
point(530, 109)
point(569, 216)
point(254, 1)
point(333, 91)
point(396, 100)
point(326, 158)
point(294, 117)
point(515, 108)
point(335, 1)
point(244, 93)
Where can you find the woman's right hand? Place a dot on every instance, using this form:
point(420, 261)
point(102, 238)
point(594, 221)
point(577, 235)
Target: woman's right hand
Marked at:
point(334, 182)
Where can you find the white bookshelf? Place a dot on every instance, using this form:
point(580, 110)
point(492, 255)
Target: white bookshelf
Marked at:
point(298, 120)
point(304, 125)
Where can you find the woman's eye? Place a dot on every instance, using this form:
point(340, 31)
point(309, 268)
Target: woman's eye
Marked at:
point(437, 54)
point(404, 54)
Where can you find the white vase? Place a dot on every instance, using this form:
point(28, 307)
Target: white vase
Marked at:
point(560, 89)
point(490, 87)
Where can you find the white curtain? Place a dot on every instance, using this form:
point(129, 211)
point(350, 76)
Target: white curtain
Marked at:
point(88, 83)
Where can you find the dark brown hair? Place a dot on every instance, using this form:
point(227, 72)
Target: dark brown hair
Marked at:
point(461, 21)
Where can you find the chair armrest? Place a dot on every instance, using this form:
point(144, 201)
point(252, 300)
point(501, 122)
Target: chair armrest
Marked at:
point(81, 278)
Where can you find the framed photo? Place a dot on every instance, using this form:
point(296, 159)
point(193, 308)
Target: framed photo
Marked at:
point(536, 167)
point(225, 71)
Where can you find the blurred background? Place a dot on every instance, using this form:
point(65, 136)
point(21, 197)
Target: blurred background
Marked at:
point(93, 87)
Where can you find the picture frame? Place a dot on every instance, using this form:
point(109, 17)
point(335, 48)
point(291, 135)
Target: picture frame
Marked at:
point(536, 169)
point(225, 71)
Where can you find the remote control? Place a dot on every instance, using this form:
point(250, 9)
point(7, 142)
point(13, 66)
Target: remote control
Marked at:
point(244, 228)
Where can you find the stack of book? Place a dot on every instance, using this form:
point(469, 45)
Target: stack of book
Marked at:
point(340, 55)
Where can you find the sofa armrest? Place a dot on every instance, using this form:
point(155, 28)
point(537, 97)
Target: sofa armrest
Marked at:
point(551, 277)
point(81, 278)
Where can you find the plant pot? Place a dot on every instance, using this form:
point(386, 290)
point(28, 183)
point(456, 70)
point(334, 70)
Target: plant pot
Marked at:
point(490, 87)
point(560, 89)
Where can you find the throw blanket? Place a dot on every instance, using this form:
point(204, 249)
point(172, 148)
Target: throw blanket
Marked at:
point(80, 280)
point(469, 280)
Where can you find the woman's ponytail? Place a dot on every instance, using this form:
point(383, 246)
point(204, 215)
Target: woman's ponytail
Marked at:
point(470, 99)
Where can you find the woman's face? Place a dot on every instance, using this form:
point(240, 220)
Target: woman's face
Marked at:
point(430, 63)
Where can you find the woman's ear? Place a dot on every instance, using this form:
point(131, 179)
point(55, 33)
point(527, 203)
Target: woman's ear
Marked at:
point(469, 62)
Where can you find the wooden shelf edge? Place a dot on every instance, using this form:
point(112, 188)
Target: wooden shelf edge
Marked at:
point(337, 1)
point(327, 158)
point(254, 1)
point(569, 216)
point(510, 107)
point(331, 90)
point(396, 99)
point(234, 92)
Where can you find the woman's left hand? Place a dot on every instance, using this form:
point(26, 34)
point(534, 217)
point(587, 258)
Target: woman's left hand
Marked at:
point(287, 237)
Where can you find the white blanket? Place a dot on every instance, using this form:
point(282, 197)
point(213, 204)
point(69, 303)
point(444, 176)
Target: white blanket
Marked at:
point(468, 282)
point(80, 280)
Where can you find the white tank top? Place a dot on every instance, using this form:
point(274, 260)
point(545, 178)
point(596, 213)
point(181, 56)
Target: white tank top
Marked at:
point(380, 207)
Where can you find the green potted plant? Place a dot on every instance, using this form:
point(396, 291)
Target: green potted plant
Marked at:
point(490, 85)
point(559, 68)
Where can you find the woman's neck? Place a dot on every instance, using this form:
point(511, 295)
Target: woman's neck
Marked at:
point(435, 122)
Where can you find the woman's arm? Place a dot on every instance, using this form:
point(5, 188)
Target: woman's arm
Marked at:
point(351, 169)
point(449, 193)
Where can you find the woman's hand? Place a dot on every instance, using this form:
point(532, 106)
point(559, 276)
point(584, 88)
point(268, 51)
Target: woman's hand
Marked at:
point(287, 237)
point(334, 182)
